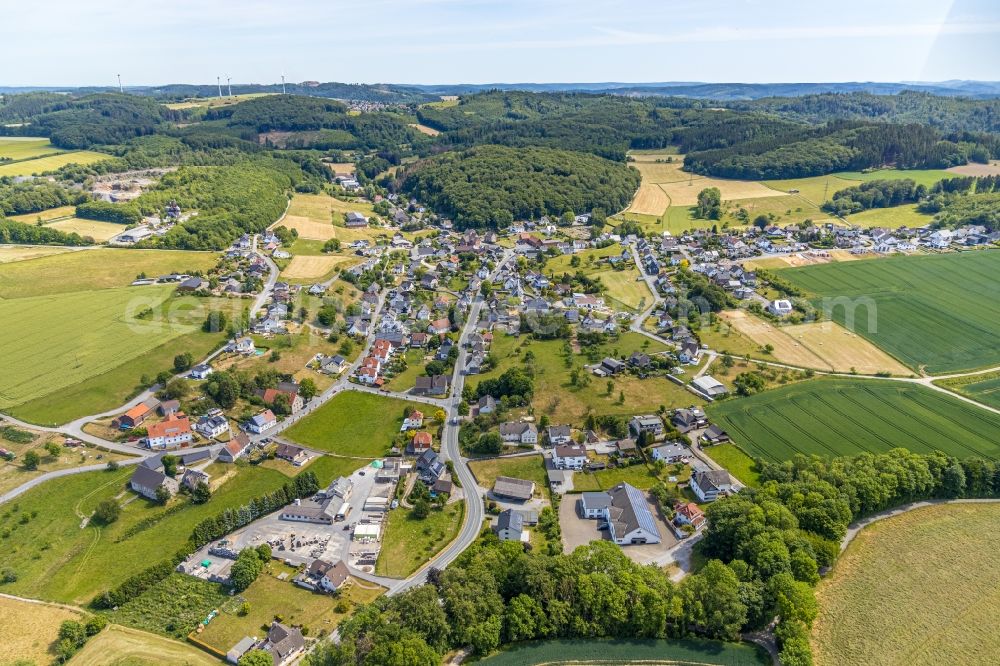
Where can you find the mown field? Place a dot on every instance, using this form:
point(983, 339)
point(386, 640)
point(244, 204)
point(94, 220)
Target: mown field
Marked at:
point(408, 542)
point(915, 589)
point(123, 646)
point(649, 651)
point(891, 218)
point(839, 417)
point(938, 312)
point(26, 147)
point(55, 559)
point(99, 231)
point(739, 464)
point(12, 253)
point(34, 646)
point(353, 423)
point(531, 468)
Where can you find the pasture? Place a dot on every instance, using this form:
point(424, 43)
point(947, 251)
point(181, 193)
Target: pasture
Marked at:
point(920, 176)
point(132, 647)
point(624, 289)
point(341, 168)
point(103, 268)
point(99, 231)
point(875, 608)
point(353, 423)
point(34, 645)
point(816, 189)
point(685, 192)
point(45, 163)
point(822, 345)
point(937, 313)
point(213, 102)
point(309, 228)
point(26, 147)
point(324, 207)
point(833, 417)
point(46, 215)
point(424, 129)
point(56, 559)
point(895, 217)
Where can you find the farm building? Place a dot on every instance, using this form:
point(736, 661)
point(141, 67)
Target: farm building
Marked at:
point(170, 433)
point(146, 481)
point(709, 386)
point(511, 488)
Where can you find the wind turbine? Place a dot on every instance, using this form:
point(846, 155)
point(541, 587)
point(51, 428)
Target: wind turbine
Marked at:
point(120, 89)
point(229, 86)
point(218, 82)
point(282, 83)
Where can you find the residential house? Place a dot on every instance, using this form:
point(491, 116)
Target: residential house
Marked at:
point(429, 467)
point(559, 434)
point(650, 423)
point(414, 421)
point(714, 435)
point(295, 401)
point(780, 308)
point(262, 422)
point(708, 485)
point(420, 442)
point(519, 431)
point(689, 419)
point(485, 405)
point(284, 643)
point(235, 448)
point(293, 454)
point(689, 514)
point(436, 385)
point(192, 478)
point(173, 431)
point(212, 426)
point(594, 505)
point(569, 456)
point(439, 326)
point(353, 220)
point(510, 526)
point(322, 575)
point(671, 452)
point(168, 407)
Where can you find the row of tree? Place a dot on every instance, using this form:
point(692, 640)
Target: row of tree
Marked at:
point(875, 194)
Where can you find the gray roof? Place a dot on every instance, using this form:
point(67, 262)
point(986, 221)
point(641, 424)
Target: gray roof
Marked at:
point(510, 520)
point(596, 500)
point(712, 479)
point(147, 477)
point(630, 511)
point(511, 487)
point(559, 431)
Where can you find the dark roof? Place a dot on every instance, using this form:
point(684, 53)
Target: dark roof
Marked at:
point(147, 477)
point(510, 520)
point(630, 511)
point(507, 486)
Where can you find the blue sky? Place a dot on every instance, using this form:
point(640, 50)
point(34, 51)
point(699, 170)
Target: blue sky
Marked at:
point(87, 42)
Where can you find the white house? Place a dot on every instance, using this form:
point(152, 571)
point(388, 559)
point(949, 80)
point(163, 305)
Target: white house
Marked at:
point(201, 371)
point(212, 426)
point(262, 422)
point(781, 307)
point(520, 432)
point(169, 433)
point(629, 519)
point(569, 456)
point(414, 421)
point(709, 484)
point(671, 452)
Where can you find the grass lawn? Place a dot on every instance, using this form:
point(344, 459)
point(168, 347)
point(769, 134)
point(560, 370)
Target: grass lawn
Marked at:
point(35, 644)
point(39, 165)
point(635, 651)
point(408, 542)
point(891, 218)
point(736, 461)
point(99, 231)
point(531, 468)
point(101, 268)
point(938, 312)
point(57, 560)
point(624, 289)
point(270, 597)
point(873, 607)
point(838, 417)
point(123, 646)
point(640, 475)
point(354, 424)
point(565, 403)
point(984, 387)
point(328, 468)
point(173, 607)
point(407, 379)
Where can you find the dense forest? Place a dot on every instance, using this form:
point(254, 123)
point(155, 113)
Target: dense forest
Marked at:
point(34, 196)
point(874, 194)
point(20, 233)
point(495, 185)
point(765, 548)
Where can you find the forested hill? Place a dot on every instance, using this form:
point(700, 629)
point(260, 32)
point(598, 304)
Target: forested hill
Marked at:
point(494, 185)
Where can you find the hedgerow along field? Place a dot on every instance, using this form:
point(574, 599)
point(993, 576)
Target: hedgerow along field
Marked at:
point(635, 651)
point(833, 417)
point(939, 313)
point(873, 608)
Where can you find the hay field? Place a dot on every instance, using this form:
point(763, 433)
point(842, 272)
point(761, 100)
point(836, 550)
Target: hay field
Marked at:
point(915, 589)
point(804, 259)
point(32, 645)
point(891, 218)
point(51, 163)
point(311, 267)
point(821, 345)
point(323, 207)
point(685, 193)
point(921, 176)
point(45, 215)
point(11, 253)
point(991, 169)
point(342, 168)
point(131, 647)
point(624, 288)
point(213, 102)
point(309, 228)
point(56, 341)
point(816, 189)
point(424, 129)
point(99, 231)
point(26, 147)
point(649, 199)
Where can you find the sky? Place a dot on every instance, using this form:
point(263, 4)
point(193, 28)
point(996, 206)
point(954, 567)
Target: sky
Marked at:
point(88, 42)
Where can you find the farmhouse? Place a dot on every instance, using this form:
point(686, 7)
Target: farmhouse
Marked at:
point(295, 402)
point(629, 517)
point(561, 434)
point(133, 417)
point(145, 481)
point(321, 575)
point(569, 456)
point(520, 432)
point(436, 385)
point(354, 220)
point(708, 485)
point(511, 488)
point(192, 478)
point(172, 432)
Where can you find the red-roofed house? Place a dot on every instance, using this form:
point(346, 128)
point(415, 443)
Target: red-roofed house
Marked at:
point(173, 431)
point(421, 442)
point(689, 514)
point(413, 421)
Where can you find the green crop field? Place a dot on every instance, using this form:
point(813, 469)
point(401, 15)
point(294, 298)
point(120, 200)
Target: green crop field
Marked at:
point(40, 165)
point(354, 424)
point(816, 189)
point(938, 312)
point(891, 218)
point(26, 147)
point(840, 417)
point(921, 176)
point(56, 559)
point(875, 607)
point(635, 651)
point(984, 387)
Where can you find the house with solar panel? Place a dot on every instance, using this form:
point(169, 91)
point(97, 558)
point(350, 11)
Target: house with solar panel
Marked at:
point(626, 512)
